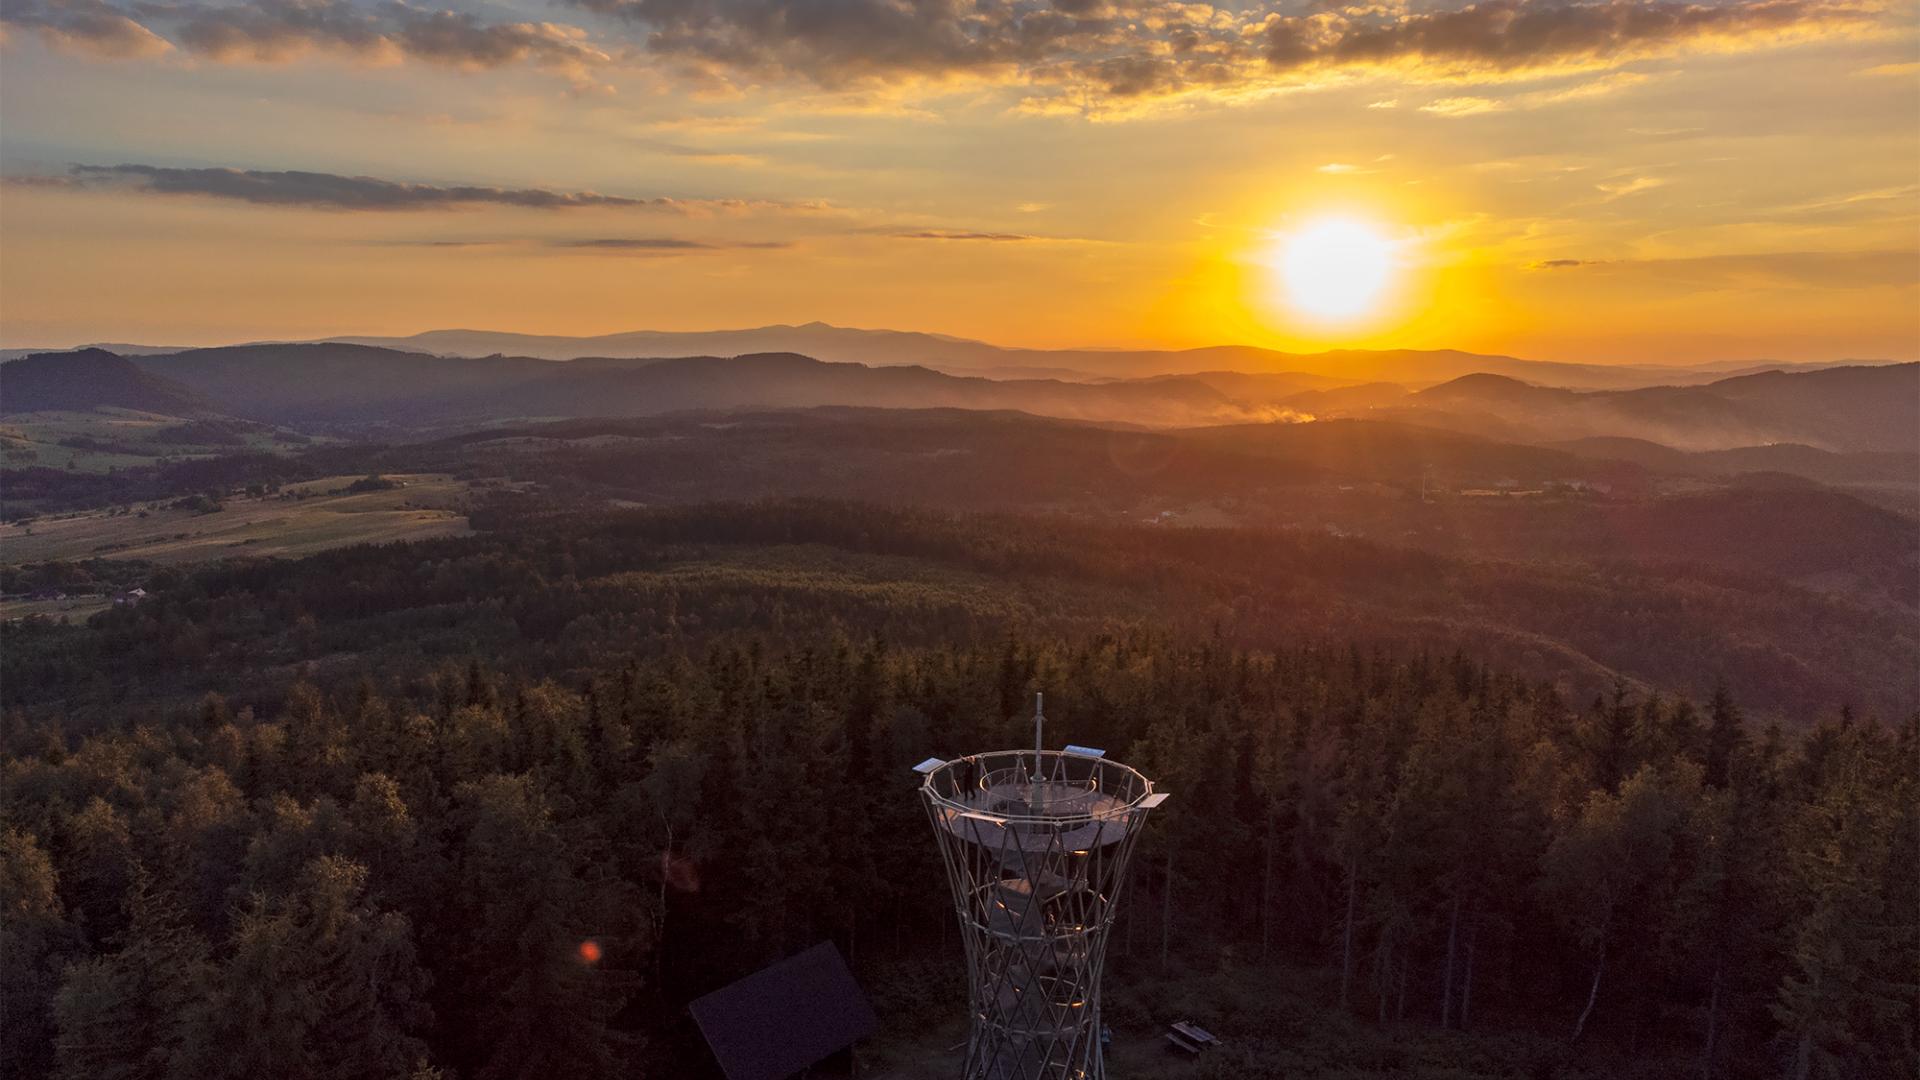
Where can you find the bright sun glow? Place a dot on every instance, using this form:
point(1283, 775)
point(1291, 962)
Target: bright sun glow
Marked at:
point(1335, 268)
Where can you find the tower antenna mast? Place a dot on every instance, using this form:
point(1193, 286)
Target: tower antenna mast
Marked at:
point(1039, 728)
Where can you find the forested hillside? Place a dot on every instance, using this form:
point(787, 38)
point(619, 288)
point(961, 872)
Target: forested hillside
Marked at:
point(550, 583)
point(355, 815)
point(89, 379)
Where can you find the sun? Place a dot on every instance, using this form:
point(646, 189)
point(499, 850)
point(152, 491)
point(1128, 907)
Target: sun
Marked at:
point(1335, 268)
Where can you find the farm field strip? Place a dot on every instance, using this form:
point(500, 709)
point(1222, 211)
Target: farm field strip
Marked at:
point(426, 506)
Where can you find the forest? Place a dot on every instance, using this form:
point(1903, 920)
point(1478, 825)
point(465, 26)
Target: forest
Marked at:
point(1803, 595)
point(359, 814)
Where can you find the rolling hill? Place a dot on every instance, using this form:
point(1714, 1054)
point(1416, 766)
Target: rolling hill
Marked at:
point(1826, 466)
point(361, 385)
point(1386, 451)
point(346, 384)
point(91, 379)
point(1842, 409)
point(1877, 407)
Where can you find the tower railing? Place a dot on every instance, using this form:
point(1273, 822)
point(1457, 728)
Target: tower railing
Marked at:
point(1036, 845)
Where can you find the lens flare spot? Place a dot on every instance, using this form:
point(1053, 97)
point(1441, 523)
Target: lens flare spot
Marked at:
point(680, 872)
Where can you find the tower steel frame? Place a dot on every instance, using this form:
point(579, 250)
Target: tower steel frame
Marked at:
point(1036, 845)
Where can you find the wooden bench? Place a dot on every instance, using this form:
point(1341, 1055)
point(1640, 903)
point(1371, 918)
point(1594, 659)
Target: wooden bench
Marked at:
point(1190, 1038)
point(1179, 1042)
point(1196, 1034)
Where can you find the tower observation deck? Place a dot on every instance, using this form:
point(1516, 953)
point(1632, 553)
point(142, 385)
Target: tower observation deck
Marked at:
point(1036, 844)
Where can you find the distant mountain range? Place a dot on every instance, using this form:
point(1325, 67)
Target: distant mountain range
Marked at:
point(961, 356)
point(360, 385)
point(345, 386)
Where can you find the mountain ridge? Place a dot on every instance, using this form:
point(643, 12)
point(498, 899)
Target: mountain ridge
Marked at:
point(363, 387)
point(958, 355)
point(941, 351)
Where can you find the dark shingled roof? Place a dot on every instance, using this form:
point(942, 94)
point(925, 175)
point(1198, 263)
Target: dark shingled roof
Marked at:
point(786, 1017)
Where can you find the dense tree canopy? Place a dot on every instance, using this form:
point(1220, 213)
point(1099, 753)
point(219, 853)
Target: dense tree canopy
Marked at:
point(497, 831)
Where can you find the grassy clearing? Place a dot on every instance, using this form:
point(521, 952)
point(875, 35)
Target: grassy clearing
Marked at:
point(285, 525)
point(112, 438)
point(75, 608)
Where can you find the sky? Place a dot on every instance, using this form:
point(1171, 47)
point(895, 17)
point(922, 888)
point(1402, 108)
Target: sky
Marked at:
point(1608, 181)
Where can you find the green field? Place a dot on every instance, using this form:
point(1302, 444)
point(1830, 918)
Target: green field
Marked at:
point(113, 438)
point(286, 524)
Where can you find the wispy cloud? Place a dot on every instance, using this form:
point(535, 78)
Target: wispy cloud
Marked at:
point(1900, 70)
point(330, 191)
point(663, 244)
point(704, 155)
point(959, 234)
point(1463, 106)
point(451, 244)
point(1851, 200)
point(1761, 270)
point(1454, 107)
point(1348, 168)
point(1620, 189)
point(588, 245)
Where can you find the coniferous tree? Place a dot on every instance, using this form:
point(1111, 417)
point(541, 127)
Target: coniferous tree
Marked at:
point(318, 984)
point(1606, 872)
point(1841, 993)
point(142, 1010)
point(525, 1000)
point(35, 939)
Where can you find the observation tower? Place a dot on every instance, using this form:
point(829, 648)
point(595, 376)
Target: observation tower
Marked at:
point(1036, 845)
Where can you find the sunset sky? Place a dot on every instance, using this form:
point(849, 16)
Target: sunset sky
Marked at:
point(1623, 180)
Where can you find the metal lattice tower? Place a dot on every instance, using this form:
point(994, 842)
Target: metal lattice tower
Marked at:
point(1036, 845)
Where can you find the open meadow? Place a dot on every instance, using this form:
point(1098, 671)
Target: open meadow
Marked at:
point(298, 520)
point(108, 438)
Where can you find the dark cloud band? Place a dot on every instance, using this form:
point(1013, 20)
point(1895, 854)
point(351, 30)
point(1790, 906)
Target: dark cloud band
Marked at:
point(1501, 35)
point(1144, 47)
point(329, 191)
point(1111, 49)
point(269, 31)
